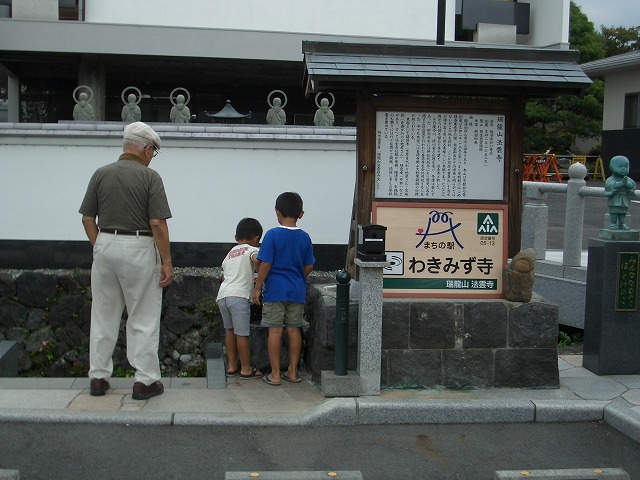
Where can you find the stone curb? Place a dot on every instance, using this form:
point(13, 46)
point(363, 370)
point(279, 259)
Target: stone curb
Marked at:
point(64, 416)
point(411, 412)
point(623, 419)
point(9, 474)
point(368, 411)
point(552, 411)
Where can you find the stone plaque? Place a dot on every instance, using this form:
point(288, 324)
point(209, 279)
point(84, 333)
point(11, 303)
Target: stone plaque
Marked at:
point(627, 282)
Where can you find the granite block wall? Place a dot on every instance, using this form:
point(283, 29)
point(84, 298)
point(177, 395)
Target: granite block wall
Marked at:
point(47, 313)
point(449, 343)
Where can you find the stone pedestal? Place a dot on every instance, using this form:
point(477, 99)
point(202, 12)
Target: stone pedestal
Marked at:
point(333, 385)
point(370, 326)
point(435, 343)
point(612, 320)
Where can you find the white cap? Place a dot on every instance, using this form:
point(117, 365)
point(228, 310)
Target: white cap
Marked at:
point(142, 132)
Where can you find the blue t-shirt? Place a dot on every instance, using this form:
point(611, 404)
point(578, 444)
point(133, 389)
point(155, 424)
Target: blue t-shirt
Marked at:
point(288, 250)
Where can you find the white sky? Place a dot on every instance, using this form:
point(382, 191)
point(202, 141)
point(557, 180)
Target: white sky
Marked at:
point(611, 13)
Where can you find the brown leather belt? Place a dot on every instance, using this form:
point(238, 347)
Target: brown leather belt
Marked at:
point(142, 233)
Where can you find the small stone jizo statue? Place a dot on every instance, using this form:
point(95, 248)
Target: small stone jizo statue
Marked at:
point(276, 115)
point(83, 111)
point(324, 115)
point(518, 276)
point(180, 112)
point(618, 188)
point(131, 111)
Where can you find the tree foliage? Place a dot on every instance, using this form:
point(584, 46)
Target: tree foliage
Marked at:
point(583, 35)
point(557, 122)
point(618, 40)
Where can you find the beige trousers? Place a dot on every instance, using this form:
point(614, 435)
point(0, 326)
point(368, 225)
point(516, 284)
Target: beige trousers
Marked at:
point(125, 272)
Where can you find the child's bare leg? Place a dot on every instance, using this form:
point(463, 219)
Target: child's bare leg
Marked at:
point(232, 351)
point(245, 354)
point(273, 344)
point(295, 351)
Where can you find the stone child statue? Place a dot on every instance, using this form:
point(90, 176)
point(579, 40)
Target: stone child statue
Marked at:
point(83, 111)
point(518, 276)
point(131, 111)
point(618, 188)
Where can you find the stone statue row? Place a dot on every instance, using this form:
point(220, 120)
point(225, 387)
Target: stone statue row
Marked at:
point(276, 115)
point(83, 111)
point(180, 113)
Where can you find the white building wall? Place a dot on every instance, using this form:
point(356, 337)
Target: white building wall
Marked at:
point(617, 85)
point(410, 19)
point(210, 184)
point(549, 23)
point(400, 19)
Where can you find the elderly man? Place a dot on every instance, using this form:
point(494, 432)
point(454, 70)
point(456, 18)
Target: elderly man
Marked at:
point(131, 261)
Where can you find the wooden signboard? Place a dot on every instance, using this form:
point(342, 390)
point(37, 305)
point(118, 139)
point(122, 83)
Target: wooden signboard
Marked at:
point(443, 250)
point(440, 155)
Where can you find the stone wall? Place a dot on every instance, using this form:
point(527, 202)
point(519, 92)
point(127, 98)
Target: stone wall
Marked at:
point(450, 343)
point(48, 314)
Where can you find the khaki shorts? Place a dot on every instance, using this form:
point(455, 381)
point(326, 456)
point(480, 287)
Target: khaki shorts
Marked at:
point(279, 314)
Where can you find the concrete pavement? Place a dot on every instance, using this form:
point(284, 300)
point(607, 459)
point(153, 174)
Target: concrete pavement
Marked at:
point(582, 396)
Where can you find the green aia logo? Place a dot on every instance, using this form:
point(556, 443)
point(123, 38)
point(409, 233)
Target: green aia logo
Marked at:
point(488, 224)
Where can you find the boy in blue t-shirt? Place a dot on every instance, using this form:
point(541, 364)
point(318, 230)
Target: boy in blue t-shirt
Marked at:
point(286, 259)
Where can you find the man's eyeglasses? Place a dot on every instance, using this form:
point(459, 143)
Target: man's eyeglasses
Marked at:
point(155, 150)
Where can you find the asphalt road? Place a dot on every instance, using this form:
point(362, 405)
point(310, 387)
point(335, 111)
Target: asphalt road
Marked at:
point(433, 452)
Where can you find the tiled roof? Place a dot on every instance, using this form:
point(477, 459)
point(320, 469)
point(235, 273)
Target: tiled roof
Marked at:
point(612, 64)
point(541, 69)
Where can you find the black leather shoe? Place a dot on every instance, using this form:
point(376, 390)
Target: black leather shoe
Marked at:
point(98, 387)
point(142, 391)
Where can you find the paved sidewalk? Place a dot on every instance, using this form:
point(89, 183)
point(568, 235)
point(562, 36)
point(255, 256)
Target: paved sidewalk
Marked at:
point(582, 396)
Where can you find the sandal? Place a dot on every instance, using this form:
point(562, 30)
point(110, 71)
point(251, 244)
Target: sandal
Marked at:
point(232, 374)
point(268, 381)
point(254, 374)
point(286, 378)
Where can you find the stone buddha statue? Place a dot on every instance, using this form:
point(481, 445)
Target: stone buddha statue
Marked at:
point(324, 115)
point(276, 115)
point(131, 111)
point(83, 111)
point(180, 113)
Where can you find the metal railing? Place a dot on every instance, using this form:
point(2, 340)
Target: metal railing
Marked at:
point(535, 215)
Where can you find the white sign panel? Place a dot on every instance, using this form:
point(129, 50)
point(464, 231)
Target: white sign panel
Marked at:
point(450, 156)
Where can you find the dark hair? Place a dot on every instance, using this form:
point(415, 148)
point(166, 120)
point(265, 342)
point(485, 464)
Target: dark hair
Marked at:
point(289, 204)
point(248, 228)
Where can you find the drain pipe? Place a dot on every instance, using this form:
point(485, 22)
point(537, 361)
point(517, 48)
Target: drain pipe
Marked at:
point(442, 17)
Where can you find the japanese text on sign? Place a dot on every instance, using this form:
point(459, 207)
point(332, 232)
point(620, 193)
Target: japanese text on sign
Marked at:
point(439, 155)
point(627, 284)
point(443, 249)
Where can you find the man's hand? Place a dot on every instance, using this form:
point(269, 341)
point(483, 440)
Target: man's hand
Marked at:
point(166, 275)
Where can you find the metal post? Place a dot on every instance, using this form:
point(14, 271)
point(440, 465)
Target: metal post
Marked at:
point(342, 323)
